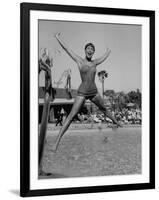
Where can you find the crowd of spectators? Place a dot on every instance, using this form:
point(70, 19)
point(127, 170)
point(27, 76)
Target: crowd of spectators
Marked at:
point(129, 116)
point(125, 116)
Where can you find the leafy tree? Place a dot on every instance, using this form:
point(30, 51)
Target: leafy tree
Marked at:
point(135, 97)
point(119, 100)
point(111, 95)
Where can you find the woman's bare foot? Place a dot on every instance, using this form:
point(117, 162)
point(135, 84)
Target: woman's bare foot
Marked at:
point(115, 126)
point(119, 125)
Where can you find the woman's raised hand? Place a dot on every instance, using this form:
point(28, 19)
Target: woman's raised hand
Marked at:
point(57, 34)
point(108, 50)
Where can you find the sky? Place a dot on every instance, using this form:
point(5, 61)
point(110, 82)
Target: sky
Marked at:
point(123, 65)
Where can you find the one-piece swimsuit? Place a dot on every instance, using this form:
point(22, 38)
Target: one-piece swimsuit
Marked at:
point(88, 87)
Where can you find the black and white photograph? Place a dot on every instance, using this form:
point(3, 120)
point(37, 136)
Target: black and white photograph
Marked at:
point(90, 106)
point(87, 97)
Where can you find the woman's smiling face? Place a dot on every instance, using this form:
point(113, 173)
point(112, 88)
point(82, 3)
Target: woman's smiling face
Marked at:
point(89, 51)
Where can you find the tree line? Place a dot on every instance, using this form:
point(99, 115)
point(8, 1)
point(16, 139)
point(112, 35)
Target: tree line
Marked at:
point(120, 100)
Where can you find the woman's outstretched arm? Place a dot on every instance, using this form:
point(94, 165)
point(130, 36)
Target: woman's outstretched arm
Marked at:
point(103, 58)
point(74, 56)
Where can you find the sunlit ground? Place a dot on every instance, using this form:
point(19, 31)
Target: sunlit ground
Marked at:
point(93, 152)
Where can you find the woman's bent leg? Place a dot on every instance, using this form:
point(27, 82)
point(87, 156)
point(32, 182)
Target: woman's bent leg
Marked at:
point(98, 101)
point(76, 107)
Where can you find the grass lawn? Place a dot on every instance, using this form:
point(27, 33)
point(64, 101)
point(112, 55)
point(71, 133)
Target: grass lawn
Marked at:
point(94, 153)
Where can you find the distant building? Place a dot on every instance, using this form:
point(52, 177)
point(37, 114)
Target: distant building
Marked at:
point(62, 102)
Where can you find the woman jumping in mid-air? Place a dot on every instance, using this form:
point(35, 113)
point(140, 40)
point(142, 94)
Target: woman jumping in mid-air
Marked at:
point(87, 89)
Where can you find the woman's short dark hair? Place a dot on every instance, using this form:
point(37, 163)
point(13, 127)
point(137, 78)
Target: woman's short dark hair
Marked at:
point(89, 44)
